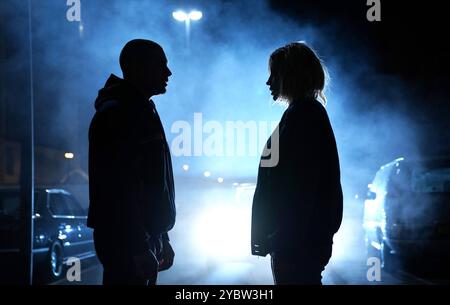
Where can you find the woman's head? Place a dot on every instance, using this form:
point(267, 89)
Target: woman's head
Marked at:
point(296, 72)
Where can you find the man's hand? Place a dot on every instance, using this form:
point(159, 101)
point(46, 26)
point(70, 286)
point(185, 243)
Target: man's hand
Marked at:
point(146, 265)
point(167, 257)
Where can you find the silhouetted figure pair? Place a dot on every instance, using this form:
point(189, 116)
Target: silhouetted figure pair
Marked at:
point(130, 172)
point(297, 206)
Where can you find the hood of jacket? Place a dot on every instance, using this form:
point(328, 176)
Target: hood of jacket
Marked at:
point(117, 89)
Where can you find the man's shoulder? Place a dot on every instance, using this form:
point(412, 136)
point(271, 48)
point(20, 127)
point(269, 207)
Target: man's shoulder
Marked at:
point(108, 105)
point(107, 115)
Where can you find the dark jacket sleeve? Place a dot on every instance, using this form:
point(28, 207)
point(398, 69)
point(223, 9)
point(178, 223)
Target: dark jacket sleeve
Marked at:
point(157, 202)
point(111, 209)
point(332, 196)
point(299, 201)
point(295, 181)
point(308, 176)
point(262, 222)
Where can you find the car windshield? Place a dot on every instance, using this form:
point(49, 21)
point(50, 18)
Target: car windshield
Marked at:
point(431, 180)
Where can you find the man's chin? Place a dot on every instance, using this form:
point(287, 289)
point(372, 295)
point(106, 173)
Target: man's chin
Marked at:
point(161, 91)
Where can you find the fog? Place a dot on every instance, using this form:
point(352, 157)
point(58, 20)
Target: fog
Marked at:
point(220, 73)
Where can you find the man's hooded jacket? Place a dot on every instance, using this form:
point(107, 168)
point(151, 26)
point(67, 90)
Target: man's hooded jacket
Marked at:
point(131, 187)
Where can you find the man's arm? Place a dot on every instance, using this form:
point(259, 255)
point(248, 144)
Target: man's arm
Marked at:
point(156, 202)
point(168, 254)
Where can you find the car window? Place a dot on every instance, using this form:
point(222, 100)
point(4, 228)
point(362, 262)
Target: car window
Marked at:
point(40, 201)
point(10, 203)
point(435, 180)
point(59, 205)
point(400, 180)
point(75, 206)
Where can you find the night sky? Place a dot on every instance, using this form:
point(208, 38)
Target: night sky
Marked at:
point(409, 41)
point(409, 45)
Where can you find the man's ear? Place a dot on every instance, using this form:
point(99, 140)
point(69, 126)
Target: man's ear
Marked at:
point(134, 71)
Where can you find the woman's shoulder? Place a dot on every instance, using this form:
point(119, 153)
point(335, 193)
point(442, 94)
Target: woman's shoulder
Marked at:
point(307, 109)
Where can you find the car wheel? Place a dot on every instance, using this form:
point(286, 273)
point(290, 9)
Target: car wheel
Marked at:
point(55, 261)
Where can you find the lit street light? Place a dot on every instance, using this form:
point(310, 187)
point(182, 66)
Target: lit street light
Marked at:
point(182, 16)
point(69, 155)
point(195, 15)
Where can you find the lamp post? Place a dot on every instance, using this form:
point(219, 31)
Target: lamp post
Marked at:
point(182, 16)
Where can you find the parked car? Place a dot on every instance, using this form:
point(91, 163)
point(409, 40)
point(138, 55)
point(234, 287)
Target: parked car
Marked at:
point(407, 212)
point(60, 229)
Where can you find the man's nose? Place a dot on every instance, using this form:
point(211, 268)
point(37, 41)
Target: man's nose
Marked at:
point(169, 73)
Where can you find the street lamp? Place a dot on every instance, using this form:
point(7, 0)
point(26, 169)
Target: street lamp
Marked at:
point(182, 16)
point(195, 15)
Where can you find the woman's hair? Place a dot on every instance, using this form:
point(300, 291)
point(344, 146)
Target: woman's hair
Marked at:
point(299, 71)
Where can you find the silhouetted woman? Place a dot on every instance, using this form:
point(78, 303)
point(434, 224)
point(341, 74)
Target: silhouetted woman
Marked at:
point(297, 206)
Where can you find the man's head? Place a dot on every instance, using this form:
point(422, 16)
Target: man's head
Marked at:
point(144, 64)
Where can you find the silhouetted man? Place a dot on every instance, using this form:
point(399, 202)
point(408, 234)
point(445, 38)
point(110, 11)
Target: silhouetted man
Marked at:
point(130, 172)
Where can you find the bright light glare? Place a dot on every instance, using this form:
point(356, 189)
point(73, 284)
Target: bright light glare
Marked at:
point(223, 233)
point(185, 167)
point(180, 16)
point(69, 155)
point(207, 174)
point(195, 15)
point(220, 180)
